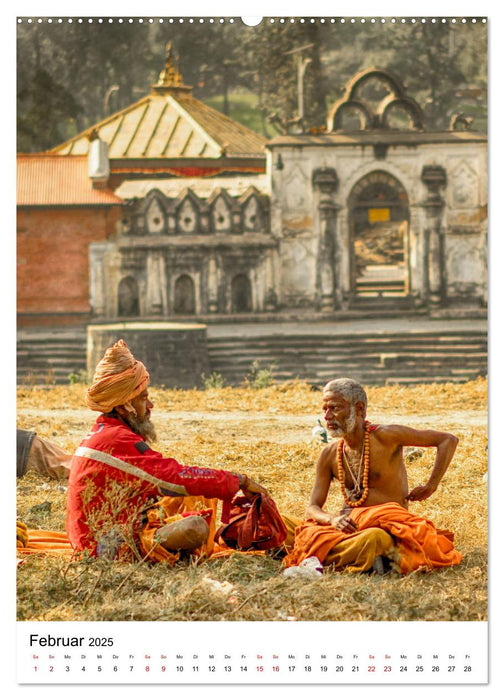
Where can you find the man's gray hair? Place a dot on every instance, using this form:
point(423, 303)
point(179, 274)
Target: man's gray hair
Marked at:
point(349, 389)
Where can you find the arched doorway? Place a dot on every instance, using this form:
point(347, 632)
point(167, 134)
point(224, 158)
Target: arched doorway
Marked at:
point(127, 297)
point(184, 302)
point(241, 294)
point(379, 238)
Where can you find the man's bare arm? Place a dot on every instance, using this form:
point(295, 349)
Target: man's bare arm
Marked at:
point(318, 497)
point(445, 444)
point(320, 490)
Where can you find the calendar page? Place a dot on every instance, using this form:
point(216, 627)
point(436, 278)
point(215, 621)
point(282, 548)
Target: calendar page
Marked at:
point(252, 294)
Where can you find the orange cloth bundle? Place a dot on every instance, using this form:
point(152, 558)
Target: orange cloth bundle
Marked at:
point(418, 543)
point(45, 542)
point(118, 379)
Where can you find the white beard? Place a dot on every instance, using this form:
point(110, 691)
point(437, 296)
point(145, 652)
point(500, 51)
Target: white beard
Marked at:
point(347, 427)
point(145, 428)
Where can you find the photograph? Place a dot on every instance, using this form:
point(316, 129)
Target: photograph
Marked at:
point(251, 342)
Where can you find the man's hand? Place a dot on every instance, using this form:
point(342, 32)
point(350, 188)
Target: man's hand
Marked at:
point(344, 523)
point(420, 493)
point(250, 487)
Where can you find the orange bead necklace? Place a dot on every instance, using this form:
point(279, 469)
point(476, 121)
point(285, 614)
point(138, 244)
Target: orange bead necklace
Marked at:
point(365, 476)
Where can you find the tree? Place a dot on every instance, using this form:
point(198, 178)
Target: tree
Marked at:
point(267, 50)
point(47, 110)
point(428, 58)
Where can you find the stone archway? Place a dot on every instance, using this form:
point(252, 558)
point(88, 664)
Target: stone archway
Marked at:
point(128, 297)
point(241, 294)
point(184, 296)
point(378, 210)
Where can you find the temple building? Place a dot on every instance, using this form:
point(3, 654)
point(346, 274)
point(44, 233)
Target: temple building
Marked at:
point(169, 209)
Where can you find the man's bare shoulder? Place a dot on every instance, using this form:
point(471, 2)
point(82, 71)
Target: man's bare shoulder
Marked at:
point(328, 454)
point(390, 433)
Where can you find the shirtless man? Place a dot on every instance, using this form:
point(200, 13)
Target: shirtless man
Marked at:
point(368, 465)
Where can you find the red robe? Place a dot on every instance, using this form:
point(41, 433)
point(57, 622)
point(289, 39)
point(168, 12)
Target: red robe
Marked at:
point(132, 463)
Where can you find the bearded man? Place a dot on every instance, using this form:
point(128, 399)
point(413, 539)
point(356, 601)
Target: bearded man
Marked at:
point(115, 474)
point(367, 463)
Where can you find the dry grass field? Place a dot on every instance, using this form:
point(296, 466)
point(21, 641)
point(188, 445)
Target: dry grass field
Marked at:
point(268, 434)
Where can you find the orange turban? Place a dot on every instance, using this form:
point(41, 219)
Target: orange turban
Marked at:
point(118, 379)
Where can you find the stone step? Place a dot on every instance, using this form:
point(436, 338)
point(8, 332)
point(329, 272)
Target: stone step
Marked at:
point(330, 354)
point(374, 358)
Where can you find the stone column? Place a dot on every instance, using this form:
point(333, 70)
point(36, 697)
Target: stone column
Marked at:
point(156, 282)
point(213, 286)
point(434, 178)
point(271, 300)
point(325, 183)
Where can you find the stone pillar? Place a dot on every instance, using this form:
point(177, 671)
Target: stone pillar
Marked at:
point(102, 279)
point(434, 178)
point(271, 301)
point(325, 183)
point(213, 286)
point(156, 283)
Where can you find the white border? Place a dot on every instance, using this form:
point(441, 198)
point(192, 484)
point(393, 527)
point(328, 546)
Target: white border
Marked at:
point(294, 8)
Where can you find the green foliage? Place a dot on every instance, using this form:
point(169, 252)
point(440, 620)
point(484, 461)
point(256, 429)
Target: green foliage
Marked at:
point(79, 377)
point(260, 377)
point(244, 107)
point(65, 72)
point(214, 381)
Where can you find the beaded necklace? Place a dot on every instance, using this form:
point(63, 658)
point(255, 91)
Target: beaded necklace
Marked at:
point(365, 477)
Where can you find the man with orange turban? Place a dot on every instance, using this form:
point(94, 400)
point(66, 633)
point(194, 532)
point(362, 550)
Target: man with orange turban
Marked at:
point(115, 475)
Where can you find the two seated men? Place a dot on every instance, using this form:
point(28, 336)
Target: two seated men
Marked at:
point(367, 462)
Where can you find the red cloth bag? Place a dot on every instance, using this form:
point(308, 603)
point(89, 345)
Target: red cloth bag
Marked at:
point(251, 524)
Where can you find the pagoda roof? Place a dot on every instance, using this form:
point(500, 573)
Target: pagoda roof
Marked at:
point(170, 125)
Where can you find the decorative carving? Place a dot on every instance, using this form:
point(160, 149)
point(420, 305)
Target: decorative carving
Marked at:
point(132, 258)
point(224, 212)
point(371, 118)
point(295, 189)
point(187, 216)
point(459, 122)
point(464, 183)
point(222, 219)
point(326, 180)
point(155, 216)
point(434, 178)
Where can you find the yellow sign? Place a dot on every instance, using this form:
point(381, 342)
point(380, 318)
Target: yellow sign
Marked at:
point(378, 215)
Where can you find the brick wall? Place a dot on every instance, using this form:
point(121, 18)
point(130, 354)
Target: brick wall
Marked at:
point(53, 263)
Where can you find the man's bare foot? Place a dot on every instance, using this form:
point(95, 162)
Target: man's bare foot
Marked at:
point(186, 534)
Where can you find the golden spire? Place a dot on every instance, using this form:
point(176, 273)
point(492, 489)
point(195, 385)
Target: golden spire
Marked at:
point(170, 77)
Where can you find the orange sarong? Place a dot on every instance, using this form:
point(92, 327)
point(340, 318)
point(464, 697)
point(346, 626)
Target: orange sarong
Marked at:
point(419, 544)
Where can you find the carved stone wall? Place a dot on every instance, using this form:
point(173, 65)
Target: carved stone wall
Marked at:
point(187, 255)
point(445, 237)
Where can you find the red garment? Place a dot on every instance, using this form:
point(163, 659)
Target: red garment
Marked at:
point(90, 498)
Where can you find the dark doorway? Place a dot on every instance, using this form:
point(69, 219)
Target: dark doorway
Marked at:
point(379, 238)
point(128, 302)
point(185, 302)
point(241, 294)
